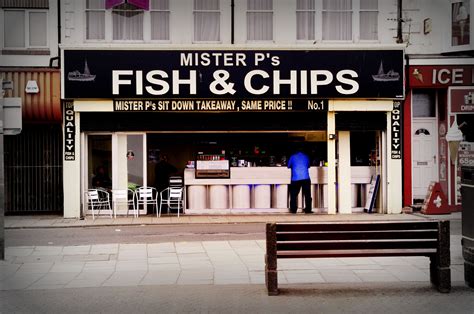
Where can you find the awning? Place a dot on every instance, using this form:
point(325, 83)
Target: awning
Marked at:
point(44, 106)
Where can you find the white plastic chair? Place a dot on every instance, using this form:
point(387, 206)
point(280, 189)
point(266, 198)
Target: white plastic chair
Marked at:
point(146, 195)
point(172, 197)
point(121, 197)
point(98, 199)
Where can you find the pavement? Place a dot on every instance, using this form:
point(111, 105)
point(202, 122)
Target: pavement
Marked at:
point(215, 263)
point(19, 222)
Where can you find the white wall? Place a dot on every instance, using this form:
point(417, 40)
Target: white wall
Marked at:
point(284, 26)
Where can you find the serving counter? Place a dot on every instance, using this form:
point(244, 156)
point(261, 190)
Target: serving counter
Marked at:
point(262, 189)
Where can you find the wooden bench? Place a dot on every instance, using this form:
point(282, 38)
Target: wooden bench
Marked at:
point(360, 239)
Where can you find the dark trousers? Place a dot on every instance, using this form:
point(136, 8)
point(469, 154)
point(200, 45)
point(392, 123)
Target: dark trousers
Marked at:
point(295, 187)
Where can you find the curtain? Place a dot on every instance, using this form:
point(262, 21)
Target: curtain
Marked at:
point(305, 20)
point(15, 23)
point(259, 24)
point(368, 26)
point(337, 19)
point(160, 20)
point(38, 29)
point(206, 20)
point(95, 19)
point(127, 24)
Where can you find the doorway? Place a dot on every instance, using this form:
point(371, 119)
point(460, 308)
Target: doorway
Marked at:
point(424, 143)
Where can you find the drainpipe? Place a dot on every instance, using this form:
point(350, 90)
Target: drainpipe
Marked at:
point(232, 23)
point(59, 38)
point(399, 22)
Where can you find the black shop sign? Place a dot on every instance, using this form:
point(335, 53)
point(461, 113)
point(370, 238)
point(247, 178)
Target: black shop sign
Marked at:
point(396, 144)
point(69, 131)
point(240, 75)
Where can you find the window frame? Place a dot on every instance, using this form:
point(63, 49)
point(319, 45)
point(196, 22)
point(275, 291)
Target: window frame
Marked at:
point(247, 11)
point(27, 29)
point(378, 24)
point(168, 11)
point(219, 11)
point(353, 29)
point(314, 11)
point(86, 25)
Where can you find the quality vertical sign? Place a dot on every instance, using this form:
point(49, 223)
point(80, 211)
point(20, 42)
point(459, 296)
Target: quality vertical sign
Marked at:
point(69, 131)
point(396, 128)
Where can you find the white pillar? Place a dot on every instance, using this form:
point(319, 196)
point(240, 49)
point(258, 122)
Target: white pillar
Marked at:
point(240, 196)
point(218, 197)
point(344, 173)
point(262, 196)
point(196, 197)
point(72, 176)
point(331, 163)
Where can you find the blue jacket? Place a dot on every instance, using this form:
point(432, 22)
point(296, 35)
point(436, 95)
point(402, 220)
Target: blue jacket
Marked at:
point(299, 165)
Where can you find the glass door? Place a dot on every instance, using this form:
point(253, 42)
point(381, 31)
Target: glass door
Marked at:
point(130, 166)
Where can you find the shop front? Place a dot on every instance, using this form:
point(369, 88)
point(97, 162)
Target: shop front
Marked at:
point(227, 121)
point(438, 138)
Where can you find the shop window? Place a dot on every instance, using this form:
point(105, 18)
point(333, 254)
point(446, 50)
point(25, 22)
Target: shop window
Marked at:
point(160, 19)
point(25, 28)
point(127, 23)
point(100, 161)
point(95, 19)
point(305, 20)
point(207, 17)
point(368, 20)
point(337, 19)
point(259, 20)
point(424, 104)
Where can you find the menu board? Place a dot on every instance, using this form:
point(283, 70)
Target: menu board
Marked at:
point(372, 194)
point(212, 169)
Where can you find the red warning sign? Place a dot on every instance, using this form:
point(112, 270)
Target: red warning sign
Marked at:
point(436, 202)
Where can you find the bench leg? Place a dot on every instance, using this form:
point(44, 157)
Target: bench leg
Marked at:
point(271, 281)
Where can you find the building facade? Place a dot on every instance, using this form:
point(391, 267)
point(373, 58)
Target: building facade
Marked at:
point(29, 59)
point(246, 82)
point(439, 80)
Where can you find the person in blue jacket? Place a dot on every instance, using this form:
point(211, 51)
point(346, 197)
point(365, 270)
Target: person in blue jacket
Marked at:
point(299, 164)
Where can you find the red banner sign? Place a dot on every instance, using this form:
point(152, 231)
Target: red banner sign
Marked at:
point(440, 75)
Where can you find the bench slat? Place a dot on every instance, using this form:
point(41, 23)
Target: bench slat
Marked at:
point(357, 244)
point(357, 226)
point(357, 235)
point(354, 253)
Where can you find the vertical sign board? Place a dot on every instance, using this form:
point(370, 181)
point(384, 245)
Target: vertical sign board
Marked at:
point(372, 193)
point(69, 131)
point(396, 128)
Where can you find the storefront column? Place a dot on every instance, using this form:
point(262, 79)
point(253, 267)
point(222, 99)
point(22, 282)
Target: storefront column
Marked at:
point(344, 173)
point(331, 132)
point(72, 176)
point(394, 175)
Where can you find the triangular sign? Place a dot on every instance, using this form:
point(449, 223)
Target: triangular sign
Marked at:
point(436, 202)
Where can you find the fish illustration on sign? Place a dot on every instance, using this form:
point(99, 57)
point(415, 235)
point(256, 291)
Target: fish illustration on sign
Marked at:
point(381, 76)
point(86, 76)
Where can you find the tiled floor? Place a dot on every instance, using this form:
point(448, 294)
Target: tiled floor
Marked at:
point(196, 263)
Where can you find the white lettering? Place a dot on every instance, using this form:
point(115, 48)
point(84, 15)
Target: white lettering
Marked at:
point(315, 82)
point(248, 82)
point(340, 77)
point(191, 82)
point(150, 77)
point(116, 81)
point(292, 81)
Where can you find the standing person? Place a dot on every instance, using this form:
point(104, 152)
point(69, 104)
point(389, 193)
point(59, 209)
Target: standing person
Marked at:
point(101, 179)
point(299, 165)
